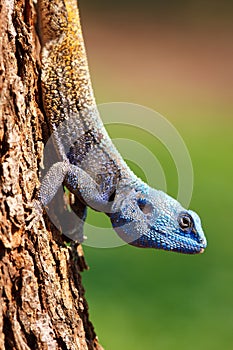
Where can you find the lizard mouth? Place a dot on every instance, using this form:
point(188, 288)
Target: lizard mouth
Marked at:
point(188, 245)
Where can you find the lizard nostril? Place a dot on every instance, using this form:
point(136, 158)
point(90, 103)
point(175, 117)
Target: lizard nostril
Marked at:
point(202, 240)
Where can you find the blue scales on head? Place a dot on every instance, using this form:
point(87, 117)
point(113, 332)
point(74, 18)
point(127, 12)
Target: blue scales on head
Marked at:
point(150, 218)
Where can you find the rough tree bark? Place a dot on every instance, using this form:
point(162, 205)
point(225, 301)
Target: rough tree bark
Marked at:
point(42, 304)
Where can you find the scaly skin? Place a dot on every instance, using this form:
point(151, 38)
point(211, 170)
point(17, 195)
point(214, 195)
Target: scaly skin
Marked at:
point(90, 165)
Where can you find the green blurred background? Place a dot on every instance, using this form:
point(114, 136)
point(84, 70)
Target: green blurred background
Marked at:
point(176, 58)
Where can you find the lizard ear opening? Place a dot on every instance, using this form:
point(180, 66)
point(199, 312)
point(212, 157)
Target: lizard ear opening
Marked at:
point(145, 206)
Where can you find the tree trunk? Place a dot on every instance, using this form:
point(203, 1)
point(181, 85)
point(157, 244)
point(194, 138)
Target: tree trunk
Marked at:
point(42, 304)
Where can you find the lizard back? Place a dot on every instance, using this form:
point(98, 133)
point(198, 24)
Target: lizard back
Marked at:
point(69, 99)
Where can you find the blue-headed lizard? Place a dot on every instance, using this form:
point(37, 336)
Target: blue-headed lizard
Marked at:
point(90, 166)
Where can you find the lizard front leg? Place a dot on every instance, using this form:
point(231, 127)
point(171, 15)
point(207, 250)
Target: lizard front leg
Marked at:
point(49, 187)
point(76, 180)
point(52, 181)
point(82, 185)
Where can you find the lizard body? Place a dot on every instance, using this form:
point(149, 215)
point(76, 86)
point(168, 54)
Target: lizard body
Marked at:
point(91, 167)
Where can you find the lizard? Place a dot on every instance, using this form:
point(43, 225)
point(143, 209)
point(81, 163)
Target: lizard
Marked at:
point(90, 166)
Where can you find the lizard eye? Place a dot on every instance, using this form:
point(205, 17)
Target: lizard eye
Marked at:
point(185, 221)
point(145, 207)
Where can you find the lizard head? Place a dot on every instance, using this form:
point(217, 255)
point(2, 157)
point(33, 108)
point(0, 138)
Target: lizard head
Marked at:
point(152, 219)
